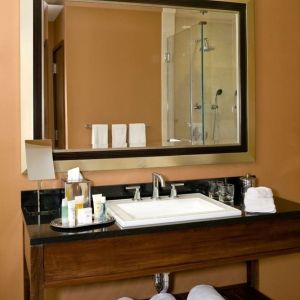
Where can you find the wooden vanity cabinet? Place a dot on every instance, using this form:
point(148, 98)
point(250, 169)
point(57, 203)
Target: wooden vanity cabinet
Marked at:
point(133, 253)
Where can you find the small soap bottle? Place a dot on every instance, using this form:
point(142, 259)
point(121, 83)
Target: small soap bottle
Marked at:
point(64, 211)
point(103, 209)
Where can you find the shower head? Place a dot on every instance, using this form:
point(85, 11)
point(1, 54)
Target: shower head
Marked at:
point(219, 92)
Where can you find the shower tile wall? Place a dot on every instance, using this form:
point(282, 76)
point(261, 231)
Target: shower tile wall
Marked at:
point(220, 73)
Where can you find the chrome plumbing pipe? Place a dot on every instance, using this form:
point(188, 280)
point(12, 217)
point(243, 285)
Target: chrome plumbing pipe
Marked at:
point(161, 282)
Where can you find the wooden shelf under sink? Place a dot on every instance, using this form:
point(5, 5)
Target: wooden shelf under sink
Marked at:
point(234, 292)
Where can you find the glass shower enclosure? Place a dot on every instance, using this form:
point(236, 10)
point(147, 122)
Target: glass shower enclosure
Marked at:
point(203, 80)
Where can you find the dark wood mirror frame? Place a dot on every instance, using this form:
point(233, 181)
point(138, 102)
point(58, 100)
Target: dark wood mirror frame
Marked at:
point(147, 152)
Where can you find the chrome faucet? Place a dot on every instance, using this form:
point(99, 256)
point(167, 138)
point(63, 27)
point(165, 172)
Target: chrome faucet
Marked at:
point(156, 179)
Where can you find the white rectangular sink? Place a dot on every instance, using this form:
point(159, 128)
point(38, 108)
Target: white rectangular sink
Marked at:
point(186, 208)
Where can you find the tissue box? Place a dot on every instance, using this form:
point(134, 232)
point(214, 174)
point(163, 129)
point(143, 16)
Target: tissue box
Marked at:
point(78, 188)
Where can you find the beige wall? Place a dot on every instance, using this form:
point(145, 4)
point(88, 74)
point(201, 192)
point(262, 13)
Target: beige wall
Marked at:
point(113, 70)
point(59, 29)
point(278, 144)
point(10, 220)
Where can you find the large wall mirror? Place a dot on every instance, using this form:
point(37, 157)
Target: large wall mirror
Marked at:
point(183, 70)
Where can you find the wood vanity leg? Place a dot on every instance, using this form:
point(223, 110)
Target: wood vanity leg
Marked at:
point(37, 273)
point(252, 273)
point(26, 280)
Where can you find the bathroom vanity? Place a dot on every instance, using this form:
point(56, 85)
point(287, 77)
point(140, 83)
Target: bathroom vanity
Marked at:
point(53, 258)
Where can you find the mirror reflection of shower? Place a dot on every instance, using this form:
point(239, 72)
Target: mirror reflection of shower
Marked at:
point(206, 45)
point(215, 107)
point(202, 57)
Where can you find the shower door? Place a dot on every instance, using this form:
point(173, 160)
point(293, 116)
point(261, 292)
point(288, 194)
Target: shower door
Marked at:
point(178, 58)
point(185, 102)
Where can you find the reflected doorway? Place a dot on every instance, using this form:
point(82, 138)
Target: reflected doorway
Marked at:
point(59, 97)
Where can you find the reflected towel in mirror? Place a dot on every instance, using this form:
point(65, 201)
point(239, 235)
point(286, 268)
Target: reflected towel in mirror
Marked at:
point(99, 136)
point(137, 135)
point(119, 133)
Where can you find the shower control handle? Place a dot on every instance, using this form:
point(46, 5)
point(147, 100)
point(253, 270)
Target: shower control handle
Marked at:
point(197, 106)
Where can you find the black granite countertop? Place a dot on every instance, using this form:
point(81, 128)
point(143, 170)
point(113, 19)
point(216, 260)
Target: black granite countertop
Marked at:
point(43, 233)
point(40, 232)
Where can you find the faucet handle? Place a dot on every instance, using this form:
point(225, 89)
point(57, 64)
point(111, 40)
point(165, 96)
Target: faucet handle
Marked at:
point(137, 194)
point(173, 193)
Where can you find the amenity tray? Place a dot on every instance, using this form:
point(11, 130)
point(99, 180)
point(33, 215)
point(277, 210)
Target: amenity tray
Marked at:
point(57, 224)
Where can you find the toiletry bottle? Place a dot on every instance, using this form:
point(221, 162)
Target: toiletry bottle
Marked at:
point(64, 211)
point(71, 213)
point(97, 206)
point(103, 209)
point(78, 204)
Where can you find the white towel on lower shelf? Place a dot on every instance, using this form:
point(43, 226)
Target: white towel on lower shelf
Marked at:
point(119, 132)
point(204, 292)
point(137, 135)
point(259, 200)
point(99, 136)
point(163, 296)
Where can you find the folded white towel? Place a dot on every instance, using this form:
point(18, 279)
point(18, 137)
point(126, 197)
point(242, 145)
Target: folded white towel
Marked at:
point(260, 192)
point(137, 135)
point(99, 136)
point(204, 292)
point(163, 296)
point(119, 132)
point(125, 298)
point(259, 200)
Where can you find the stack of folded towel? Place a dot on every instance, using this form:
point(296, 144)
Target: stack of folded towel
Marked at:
point(259, 200)
point(160, 296)
point(163, 296)
point(204, 292)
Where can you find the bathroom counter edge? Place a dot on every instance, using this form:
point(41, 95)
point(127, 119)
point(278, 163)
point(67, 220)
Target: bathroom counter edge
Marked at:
point(44, 233)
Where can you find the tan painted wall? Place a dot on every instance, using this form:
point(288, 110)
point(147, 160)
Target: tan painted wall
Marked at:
point(278, 145)
point(106, 52)
point(59, 29)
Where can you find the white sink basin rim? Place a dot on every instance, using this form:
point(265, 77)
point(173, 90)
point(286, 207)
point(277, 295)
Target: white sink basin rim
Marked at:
point(186, 208)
